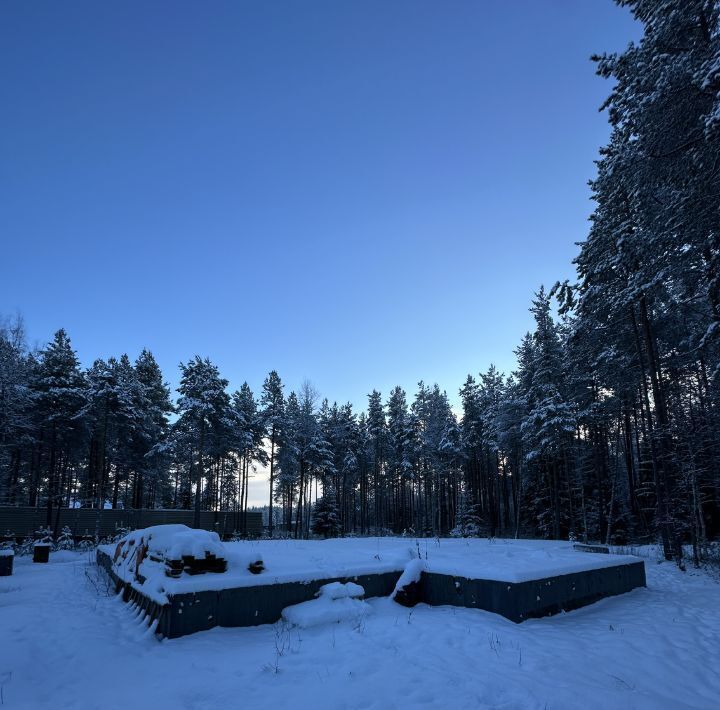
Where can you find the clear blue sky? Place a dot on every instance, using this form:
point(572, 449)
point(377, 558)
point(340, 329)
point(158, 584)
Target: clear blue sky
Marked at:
point(360, 193)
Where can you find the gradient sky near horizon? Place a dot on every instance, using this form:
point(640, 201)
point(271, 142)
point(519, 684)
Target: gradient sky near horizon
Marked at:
point(359, 193)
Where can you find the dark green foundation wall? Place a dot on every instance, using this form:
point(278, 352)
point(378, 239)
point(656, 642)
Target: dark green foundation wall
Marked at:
point(250, 606)
point(539, 597)
point(241, 606)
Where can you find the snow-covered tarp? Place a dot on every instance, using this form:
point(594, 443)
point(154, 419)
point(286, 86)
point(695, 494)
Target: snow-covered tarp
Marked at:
point(151, 557)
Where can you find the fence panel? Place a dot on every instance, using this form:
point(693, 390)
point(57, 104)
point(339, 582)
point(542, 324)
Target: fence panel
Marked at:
point(23, 522)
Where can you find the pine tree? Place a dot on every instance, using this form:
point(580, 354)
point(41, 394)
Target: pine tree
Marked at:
point(272, 403)
point(150, 460)
point(376, 453)
point(399, 459)
point(58, 391)
point(17, 439)
point(649, 270)
point(549, 424)
point(287, 458)
point(248, 434)
point(203, 406)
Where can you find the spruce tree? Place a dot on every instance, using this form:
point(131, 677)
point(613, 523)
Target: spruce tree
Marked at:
point(325, 518)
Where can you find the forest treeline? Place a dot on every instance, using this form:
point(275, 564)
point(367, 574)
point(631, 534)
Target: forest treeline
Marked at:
point(608, 429)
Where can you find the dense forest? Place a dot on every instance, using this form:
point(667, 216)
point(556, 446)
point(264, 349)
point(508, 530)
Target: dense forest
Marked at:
point(608, 429)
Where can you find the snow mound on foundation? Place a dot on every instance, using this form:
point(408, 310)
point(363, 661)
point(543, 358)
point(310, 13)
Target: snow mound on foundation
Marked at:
point(412, 573)
point(193, 543)
point(338, 590)
point(336, 602)
point(142, 556)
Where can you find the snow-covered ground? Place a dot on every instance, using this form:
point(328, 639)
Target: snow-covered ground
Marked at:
point(65, 642)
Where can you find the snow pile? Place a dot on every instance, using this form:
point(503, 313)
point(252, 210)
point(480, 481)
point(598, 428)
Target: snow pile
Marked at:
point(412, 573)
point(146, 557)
point(188, 543)
point(338, 590)
point(335, 602)
point(407, 588)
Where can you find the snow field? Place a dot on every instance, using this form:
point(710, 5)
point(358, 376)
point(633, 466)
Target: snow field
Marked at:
point(67, 642)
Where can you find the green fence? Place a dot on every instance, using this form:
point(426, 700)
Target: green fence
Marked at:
point(22, 522)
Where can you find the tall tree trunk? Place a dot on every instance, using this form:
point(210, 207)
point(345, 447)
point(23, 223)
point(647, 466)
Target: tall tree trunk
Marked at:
point(272, 482)
point(200, 473)
point(675, 548)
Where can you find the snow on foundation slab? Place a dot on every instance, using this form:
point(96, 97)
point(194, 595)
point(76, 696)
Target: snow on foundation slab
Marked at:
point(519, 560)
point(500, 560)
point(474, 558)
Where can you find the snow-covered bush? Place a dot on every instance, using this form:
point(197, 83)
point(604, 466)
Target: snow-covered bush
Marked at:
point(44, 536)
point(469, 522)
point(87, 543)
point(8, 541)
point(25, 547)
point(66, 540)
